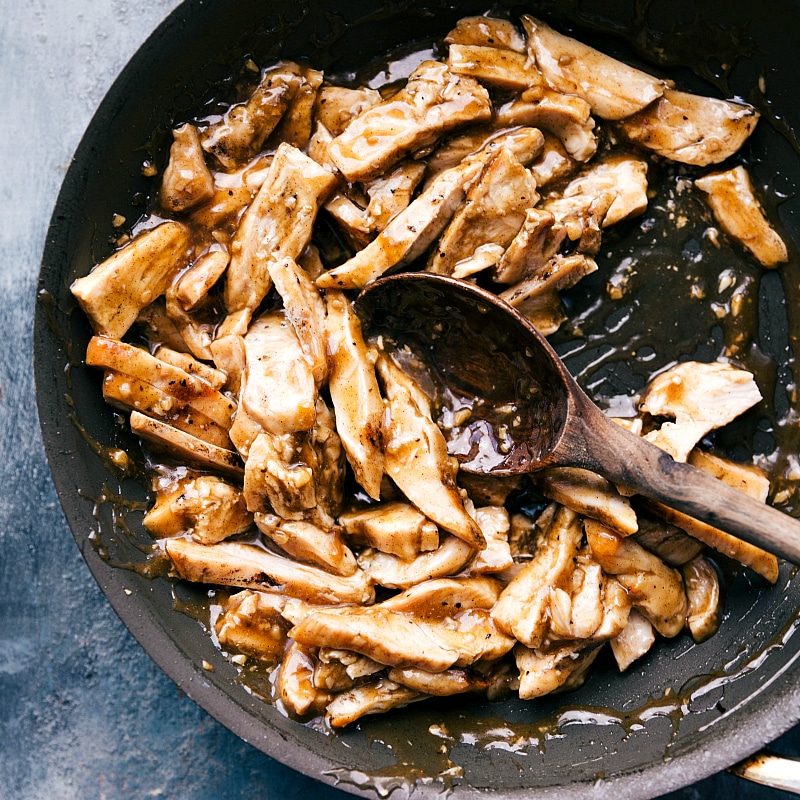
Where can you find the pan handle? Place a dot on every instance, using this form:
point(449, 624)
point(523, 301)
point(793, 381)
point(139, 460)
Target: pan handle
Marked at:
point(770, 769)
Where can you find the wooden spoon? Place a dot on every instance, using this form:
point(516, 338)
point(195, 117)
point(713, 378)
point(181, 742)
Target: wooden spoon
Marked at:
point(525, 411)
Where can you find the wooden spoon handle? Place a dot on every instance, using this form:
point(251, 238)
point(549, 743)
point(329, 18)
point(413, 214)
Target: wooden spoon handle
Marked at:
point(601, 445)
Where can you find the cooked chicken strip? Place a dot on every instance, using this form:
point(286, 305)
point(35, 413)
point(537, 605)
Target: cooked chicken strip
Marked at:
point(565, 116)
point(702, 589)
point(292, 608)
point(489, 490)
point(371, 698)
point(632, 424)
point(669, 543)
point(731, 197)
point(333, 677)
point(482, 257)
point(318, 151)
point(653, 587)
point(230, 357)
point(252, 623)
point(154, 325)
point(252, 567)
point(351, 219)
point(187, 389)
point(449, 558)
point(433, 101)
point(396, 528)
point(624, 176)
point(297, 123)
point(501, 678)
point(189, 364)
point(634, 641)
point(493, 212)
point(129, 394)
point(207, 507)
point(588, 494)
point(583, 219)
point(554, 163)
point(194, 285)
point(416, 457)
point(278, 389)
point(239, 135)
point(617, 608)
point(233, 192)
point(184, 447)
point(385, 197)
point(440, 598)
point(545, 311)
point(278, 475)
point(542, 672)
point(276, 225)
point(524, 532)
point(245, 429)
point(591, 607)
point(355, 394)
point(391, 193)
point(355, 665)
point(497, 67)
point(760, 561)
point(613, 89)
point(296, 682)
point(388, 637)
point(400, 639)
point(690, 128)
point(187, 181)
point(493, 682)
point(745, 477)
point(115, 291)
point(496, 556)
point(699, 397)
point(305, 310)
point(328, 465)
point(536, 242)
point(337, 105)
point(437, 684)
point(403, 379)
point(197, 334)
point(522, 610)
point(560, 272)
point(309, 543)
point(577, 611)
point(487, 31)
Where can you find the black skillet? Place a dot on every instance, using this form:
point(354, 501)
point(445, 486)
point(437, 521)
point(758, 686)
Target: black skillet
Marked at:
point(685, 711)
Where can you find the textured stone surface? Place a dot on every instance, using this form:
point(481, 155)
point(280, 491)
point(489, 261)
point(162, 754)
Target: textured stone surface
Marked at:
point(84, 713)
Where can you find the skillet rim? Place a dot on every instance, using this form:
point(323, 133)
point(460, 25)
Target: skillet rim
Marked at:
point(143, 623)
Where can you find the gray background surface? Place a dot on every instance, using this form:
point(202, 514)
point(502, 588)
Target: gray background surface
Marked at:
point(84, 713)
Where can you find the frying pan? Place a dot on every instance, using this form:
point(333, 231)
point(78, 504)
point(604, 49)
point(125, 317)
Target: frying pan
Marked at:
point(685, 711)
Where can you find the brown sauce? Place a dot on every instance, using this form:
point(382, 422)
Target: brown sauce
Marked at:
point(698, 705)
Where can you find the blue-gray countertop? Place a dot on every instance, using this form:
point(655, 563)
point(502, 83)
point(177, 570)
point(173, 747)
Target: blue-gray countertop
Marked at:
point(84, 713)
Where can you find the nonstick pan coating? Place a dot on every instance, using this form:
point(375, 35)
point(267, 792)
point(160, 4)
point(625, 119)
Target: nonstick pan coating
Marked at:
point(687, 710)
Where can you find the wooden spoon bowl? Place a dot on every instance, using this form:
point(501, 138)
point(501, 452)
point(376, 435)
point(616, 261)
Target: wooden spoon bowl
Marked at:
point(526, 411)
